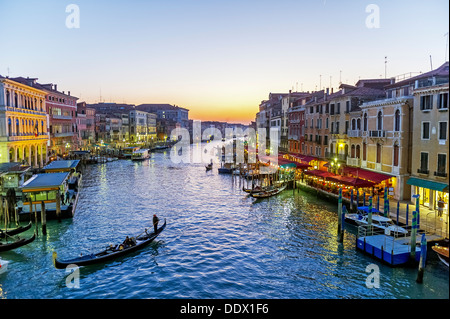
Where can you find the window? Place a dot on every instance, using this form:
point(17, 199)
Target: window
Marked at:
point(396, 149)
point(358, 151)
point(397, 121)
point(423, 163)
point(426, 102)
point(326, 122)
point(443, 101)
point(442, 130)
point(338, 111)
point(365, 121)
point(364, 151)
point(380, 121)
point(378, 153)
point(347, 107)
point(425, 130)
point(442, 162)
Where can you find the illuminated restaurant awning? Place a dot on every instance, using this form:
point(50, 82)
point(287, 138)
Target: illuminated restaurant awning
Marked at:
point(319, 173)
point(441, 187)
point(350, 181)
point(365, 174)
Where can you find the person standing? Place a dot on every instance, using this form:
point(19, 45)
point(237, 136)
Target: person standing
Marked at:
point(155, 222)
point(441, 205)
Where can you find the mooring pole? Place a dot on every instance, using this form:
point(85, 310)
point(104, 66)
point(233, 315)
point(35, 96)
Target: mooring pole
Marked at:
point(413, 236)
point(423, 259)
point(340, 234)
point(43, 219)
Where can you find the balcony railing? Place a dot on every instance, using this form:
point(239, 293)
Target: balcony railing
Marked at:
point(353, 161)
point(440, 174)
point(377, 133)
point(423, 171)
point(354, 133)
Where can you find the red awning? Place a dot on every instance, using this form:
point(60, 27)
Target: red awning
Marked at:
point(365, 174)
point(351, 181)
point(316, 172)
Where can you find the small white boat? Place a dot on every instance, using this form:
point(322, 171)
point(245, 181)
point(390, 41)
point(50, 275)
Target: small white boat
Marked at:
point(384, 223)
point(140, 155)
point(3, 265)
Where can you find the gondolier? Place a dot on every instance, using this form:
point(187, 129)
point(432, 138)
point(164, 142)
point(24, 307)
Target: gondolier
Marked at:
point(155, 222)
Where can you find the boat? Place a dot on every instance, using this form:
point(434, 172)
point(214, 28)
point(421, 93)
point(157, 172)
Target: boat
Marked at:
point(209, 167)
point(140, 155)
point(19, 242)
point(354, 218)
point(269, 192)
point(224, 170)
point(14, 231)
point(442, 253)
point(109, 253)
point(256, 189)
point(384, 223)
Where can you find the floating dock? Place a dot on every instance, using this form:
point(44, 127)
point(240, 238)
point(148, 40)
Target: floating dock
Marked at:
point(394, 251)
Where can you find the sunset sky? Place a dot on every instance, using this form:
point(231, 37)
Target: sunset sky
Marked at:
point(217, 58)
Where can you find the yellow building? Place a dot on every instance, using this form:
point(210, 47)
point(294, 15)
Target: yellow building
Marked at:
point(23, 124)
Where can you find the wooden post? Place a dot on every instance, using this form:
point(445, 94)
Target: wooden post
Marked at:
point(58, 205)
point(413, 236)
point(35, 218)
point(43, 219)
point(1, 208)
point(369, 217)
point(423, 259)
point(340, 233)
point(351, 200)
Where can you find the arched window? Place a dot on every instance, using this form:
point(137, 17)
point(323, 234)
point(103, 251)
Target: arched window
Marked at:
point(9, 127)
point(364, 151)
point(365, 121)
point(353, 151)
point(397, 121)
point(396, 150)
point(17, 127)
point(353, 124)
point(358, 124)
point(8, 98)
point(16, 100)
point(378, 153)
point(380, 121)
point(358, 151)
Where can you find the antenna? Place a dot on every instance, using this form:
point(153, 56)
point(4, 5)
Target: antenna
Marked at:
point(431, 63)
point(385, 67)
point(446, 47)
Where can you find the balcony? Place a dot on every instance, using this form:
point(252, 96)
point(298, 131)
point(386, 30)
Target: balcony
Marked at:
point(354, 133)
point(440, 174)
point(61, 117)
point(423, 171)
point(378, 134)
point(62, 134)
point(353, 161)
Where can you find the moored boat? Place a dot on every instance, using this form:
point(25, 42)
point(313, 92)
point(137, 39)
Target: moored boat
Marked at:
point(14, 231)
point(209, 167)
point(140, 155)
point(442, 253)
point(383, 223)
point(19, 242)
point(269, 192)
point(111, 252)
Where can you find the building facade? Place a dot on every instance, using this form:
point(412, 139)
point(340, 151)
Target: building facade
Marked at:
point(23, 123)
point(430, 146)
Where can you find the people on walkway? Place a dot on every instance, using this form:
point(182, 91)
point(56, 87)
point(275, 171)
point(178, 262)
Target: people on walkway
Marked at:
point(441, 205)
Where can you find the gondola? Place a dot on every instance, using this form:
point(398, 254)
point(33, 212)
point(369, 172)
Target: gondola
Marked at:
point(256, 189)
point(442, 253)
point(18, 243)
point(209, 167)
point(268, 193)
point(109, 253)
point(15, 231)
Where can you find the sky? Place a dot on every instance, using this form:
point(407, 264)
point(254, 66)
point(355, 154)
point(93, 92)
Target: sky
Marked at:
point(219, 59)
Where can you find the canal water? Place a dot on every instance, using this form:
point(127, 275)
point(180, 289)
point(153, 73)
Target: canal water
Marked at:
point(218, 243)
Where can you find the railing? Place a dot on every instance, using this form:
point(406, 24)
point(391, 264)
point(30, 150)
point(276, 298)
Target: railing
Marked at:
point(423, 171)
point(353, 161)
point(354, 133)
point(440, 174)
point(340, 157)
point(377, 133)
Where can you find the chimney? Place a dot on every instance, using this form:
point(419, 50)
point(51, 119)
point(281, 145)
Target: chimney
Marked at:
point(331, 90)
point(68, 93)
point(55, 87)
